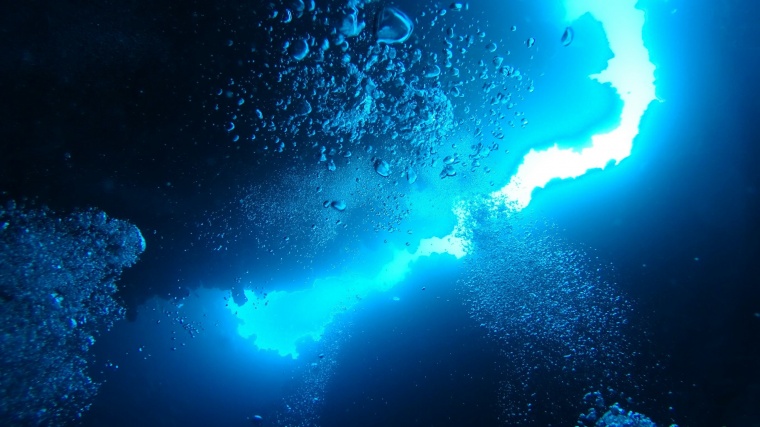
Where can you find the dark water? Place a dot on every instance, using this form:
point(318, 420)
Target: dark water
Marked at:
point(639, 281)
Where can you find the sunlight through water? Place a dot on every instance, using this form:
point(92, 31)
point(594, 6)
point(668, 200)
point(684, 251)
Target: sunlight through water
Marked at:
point(286, 319)
point(629, 72)
point(283, 320)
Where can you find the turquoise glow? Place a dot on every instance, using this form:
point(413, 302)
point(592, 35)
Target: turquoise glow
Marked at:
point(284, 319)
point(629, 72)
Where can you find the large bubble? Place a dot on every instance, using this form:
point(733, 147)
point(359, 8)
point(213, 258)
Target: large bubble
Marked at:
point(393, 26)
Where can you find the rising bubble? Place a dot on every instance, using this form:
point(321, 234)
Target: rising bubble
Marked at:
point(382, 167)
point(393, 26)
point(567, 37)
point(298, 49)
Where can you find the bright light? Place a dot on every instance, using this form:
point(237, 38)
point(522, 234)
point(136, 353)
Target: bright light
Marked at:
point(629, 72)
point(282, 320)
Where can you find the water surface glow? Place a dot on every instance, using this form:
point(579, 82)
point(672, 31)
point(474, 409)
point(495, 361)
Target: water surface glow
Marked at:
point(288, 318)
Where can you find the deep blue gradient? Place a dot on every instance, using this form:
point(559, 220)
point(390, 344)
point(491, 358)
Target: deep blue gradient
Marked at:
point(115, 106)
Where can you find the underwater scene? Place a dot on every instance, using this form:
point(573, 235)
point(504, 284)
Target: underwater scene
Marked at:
point(379, 213)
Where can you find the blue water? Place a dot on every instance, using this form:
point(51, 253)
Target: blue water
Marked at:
point(371, 231)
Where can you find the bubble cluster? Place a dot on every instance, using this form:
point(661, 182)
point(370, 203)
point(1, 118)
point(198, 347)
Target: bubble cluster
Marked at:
point(57, 284)
point(379, 96)
point(297, 215)
point(599, 415)
point(326, 83)
point(553, 308)
point(303, 406)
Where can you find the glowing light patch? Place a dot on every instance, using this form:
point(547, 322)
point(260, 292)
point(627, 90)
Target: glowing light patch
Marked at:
point(284, 319)
point(629, 72)
point(454, 244)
